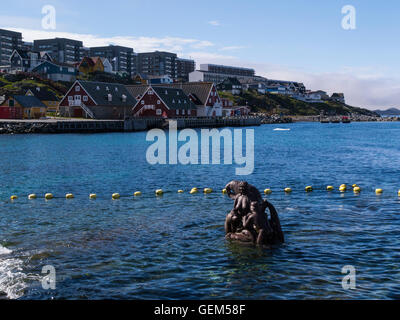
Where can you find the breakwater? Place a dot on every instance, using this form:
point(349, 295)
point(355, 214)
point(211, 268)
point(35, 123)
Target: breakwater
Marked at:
point(130, 125)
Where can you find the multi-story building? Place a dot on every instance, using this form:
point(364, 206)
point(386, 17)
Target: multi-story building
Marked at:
point(218, 73)
point(184, 67)
point(157, 63)
point(60, 49)
point(123, 59)
point(9, 41)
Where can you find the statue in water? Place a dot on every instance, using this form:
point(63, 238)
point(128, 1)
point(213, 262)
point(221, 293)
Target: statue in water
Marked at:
point(248, 222)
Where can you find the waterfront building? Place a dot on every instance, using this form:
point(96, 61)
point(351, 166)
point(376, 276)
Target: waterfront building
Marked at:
point(338, 97)
point(203, 94)
point(163, 102)
point(97, 100)
point(56, 72)
point(48, 98)
point(22, 107)
point(61, 50)
point(122, 59)
point(9, 41)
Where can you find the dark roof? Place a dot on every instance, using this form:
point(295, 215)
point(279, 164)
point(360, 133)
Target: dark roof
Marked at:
point(29, 101)
point(99, 92)
point(137, 91)
point(201, 90)
point(174, 98)
point(43, 94)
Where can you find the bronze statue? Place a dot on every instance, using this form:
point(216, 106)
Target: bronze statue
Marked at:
point(248, 222)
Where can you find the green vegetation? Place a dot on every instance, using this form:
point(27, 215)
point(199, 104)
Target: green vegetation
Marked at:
point(20, 83)
point(281, 104)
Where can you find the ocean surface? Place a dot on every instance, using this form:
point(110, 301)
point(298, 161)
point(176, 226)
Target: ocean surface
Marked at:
point(173, 247)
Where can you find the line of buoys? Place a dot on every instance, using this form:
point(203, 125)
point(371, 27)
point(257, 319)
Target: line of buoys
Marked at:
point(159, 192)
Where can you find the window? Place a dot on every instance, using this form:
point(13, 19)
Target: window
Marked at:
point(158, 102)
point(85, 98)
point(70, 98)
point(189, 112)
point(177, 112)
point(77, 88)
point(158, 112)
point(142, 102)
point(183, 112)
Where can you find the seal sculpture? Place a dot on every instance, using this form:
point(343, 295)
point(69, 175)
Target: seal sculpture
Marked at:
point(248, 221)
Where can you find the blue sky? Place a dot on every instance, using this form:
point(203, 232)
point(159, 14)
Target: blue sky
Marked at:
point(287, 39)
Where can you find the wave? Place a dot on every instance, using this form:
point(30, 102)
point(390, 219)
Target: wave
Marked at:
point(12, 279)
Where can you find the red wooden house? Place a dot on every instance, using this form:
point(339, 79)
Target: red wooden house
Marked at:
point(164, 102)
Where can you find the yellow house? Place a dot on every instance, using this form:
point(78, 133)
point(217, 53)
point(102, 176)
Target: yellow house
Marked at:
point(90, 65)
point(48, 98)
point(26, 107)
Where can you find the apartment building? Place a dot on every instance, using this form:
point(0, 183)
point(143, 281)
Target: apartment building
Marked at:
point(157, 63)
point(184, 67)
point(9, 41)
point(61, 50)
point(218, 73)
point(123, 59)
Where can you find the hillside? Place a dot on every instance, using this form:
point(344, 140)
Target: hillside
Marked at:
point(20, 83)
point(388, 112)
point(280, 104)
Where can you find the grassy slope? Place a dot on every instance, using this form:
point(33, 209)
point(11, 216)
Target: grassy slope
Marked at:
point(275, 103)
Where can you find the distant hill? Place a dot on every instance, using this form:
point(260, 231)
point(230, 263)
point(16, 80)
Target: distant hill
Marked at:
point(388, 112)
point(277, 103)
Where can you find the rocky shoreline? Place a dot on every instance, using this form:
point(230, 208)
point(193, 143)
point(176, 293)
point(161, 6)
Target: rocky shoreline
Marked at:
point(27, 128)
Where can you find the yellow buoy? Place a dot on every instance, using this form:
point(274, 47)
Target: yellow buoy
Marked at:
point(48, 196)
point(93, 196)
point(224, 191)
point(116, 196)
point(343, 188)
point(355, 185)
point(194, 190)
point(288, 190)
point(379, 191)
point(69, 196)
point(32, 196)
point(181, 191)
point(208, 190)
point(399, 193)
point(267, 191)
point(357, 189)
point(137, 194)
point(159, 192)
point(14, 197)
point(309, 189)
point(330, 188)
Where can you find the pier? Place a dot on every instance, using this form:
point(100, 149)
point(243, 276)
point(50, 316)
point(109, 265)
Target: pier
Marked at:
point(130, 125)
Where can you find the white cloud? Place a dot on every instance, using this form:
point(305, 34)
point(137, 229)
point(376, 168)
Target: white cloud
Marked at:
point(232, 48)
point(214, 23)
